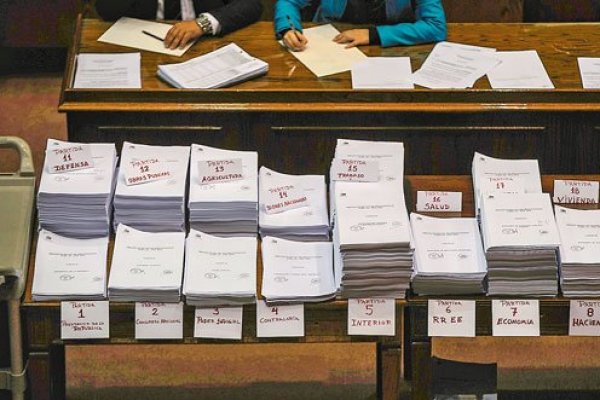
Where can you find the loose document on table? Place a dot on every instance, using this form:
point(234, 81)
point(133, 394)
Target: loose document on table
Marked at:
point(382, 73)
point(589, 68)
point(108, 70)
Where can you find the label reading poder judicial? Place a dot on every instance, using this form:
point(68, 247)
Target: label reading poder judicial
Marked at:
point(84, 320)
point(584, 318)
point(354, 170)
point(218, 322)
point(146, 170)
point(372, 317)
point(65, 158)
point(220, 171)
point(282, 198)
point(515, 318)
point(280, 320)
point(431, 201)
point(452, 318)
point(575, 192)
point(158, 320)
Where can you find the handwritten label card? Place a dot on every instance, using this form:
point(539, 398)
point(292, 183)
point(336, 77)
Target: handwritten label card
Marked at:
point(353, 170)
point(372, 317)
point(145, 170)
point(158, 320)
point(70, 157)
point(282, 198)
point(84, 320)
point(219, 171)
point(218, 323)
point(279, 321)
point(584, 318)
point(453, 318)
point(515, 317)
point(439, 201)
point(575, 192)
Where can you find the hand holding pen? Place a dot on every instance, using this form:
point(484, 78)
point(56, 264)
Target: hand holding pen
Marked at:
point(293, 38)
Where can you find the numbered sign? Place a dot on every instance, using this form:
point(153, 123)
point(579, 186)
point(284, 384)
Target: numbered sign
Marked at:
point(454, 318)
point(277, 199)
point(439, 201)
point(372, 317)
point(279, 321)
point(584, 318)
point(218, 322)
point(516, 317)
point(575, 192)
point(354, 170)
point(158, 320)
point(84, 320)
point(68, 157)
point(220, 171)
point(146, 170)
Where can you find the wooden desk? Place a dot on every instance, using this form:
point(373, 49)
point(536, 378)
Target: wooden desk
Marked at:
point(292, 118)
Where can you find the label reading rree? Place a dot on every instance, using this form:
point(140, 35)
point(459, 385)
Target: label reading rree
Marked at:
point(453, 318)
point(282, 198)
point(584, 318)
point(280, 320)
point(218, 323)
point(84, 320)
point(354, 170)
point(68, 157)
point(515, 317)
point(146, 170)
point(372, 317)
point(158, 320)
point(439, 201)
point(220, 171)
point(575, 192)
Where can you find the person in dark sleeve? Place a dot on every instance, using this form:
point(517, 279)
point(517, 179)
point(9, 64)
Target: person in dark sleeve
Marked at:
point(199, 17)
point(395, 22)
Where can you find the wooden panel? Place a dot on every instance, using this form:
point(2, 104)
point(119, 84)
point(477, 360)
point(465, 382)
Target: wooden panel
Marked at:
point(483, 11)
point(560, 10)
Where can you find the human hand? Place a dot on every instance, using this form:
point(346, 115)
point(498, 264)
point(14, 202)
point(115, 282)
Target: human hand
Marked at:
point(353, 37)
point(181, 33)
point(295, 40)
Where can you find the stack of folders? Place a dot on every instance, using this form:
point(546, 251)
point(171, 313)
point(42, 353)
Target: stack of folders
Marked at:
point(293, 206)
point(579, 251)
point(77, 203)
point(372, 231)
point(69, 269)
point(219, 271)
point(495, 175)
point(297, 272)
point(222, 67)
point(521, 240)
point(223, 204)
point(449, 257)
point(151, 186)
point(146, 266)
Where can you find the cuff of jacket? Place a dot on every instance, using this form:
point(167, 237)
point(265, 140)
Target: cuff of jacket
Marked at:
point(374, 38)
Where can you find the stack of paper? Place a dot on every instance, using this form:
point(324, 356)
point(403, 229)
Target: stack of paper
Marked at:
point(219, 271)
point(579, 251)
point(223, 191)
point(150, 194)
point(495, 175)
point(520, 239)
point(222, 67)
point(146, 266)
point(76, 203)
point(296, 272)
point(372, 232)
point(519, 70)
point(293, 206)
point(455, 66)
point(69, 269)
point(449, 258)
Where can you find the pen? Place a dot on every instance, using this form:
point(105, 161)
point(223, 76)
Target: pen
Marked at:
point(153, 35)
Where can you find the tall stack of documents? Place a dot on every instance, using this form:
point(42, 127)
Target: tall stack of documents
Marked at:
point(579, 251)
point(496, 175)
point(77, 203)
point(293, 206)
point(219, 271)
point(296, 272)
point(226, 207)
point(521, 240)
point(151, 186)
point(69, 269)
point(146, 266)
point(449, 257)
point(373, 232)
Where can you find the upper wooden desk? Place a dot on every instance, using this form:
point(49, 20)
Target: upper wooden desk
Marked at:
point(293, 118)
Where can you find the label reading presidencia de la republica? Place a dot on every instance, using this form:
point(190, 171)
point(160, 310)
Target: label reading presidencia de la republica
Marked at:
point(84, 320)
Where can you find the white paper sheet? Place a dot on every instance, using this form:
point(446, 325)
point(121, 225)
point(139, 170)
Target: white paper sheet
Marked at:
point(382, 73)
point(108, 70)
point(519, 70)
point(589, 68)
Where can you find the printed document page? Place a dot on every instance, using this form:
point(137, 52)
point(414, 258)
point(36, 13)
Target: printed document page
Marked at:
point(108, 70)
point(589, 68)
point(579, 235)
point(382, 73)
point(519, 70)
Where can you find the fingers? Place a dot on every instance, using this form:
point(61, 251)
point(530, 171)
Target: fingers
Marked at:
point(295, 40)
point(174, 37)
point(181, 34)
point(353, 43)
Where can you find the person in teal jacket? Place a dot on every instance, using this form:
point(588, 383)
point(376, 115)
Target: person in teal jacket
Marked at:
point(397, 22)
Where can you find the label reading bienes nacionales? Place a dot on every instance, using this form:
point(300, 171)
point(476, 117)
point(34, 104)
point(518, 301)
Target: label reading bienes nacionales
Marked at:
point(285, 197)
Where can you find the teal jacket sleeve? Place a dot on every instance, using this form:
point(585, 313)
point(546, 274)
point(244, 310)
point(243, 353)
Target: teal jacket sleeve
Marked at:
point(287, 11)
point(430, 26)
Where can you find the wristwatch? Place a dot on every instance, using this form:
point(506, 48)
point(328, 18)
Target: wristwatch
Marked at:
point(204, 23)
